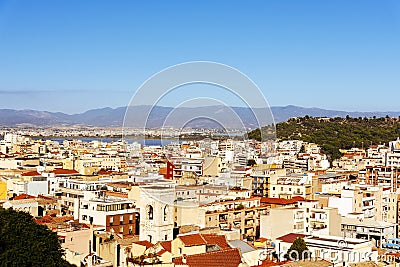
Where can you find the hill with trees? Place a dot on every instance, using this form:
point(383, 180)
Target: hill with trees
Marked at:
point(23, 242)
point(333, 134)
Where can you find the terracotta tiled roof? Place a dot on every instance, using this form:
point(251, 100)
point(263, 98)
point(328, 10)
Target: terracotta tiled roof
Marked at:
point(290, 238)
point(145, 243)
point(280, 201)
point(31, 173)
point(166, 245)
point(103, 172)
point(220, 240)
point(44, 219)
point(178, 261)
point(23, 196)
point(45, 197)
point(221, 258)
point(193, 240)
point(51, 219)
point(161, 252)
point(63, 219)
point(242, 169)
point(60, 171)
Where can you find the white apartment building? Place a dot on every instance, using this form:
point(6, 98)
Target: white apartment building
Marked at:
point(393, 154)
point(307, 218)
point(335, 249)
point(115, 214)
point(376, 231)
point(291, 186)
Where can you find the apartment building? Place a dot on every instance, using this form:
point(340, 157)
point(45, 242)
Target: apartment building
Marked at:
point(241, 214)
point(376, 231)
point(307, 218)
point(117, 215)
point(289, 186)
point(393, 154)
point(374, 202)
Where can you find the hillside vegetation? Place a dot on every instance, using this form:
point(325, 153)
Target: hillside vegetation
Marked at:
point(333, 134)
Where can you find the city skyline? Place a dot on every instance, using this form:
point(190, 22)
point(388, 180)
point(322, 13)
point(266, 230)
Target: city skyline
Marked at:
point(79, 56)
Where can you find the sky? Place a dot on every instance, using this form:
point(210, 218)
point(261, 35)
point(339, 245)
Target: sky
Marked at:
point(71, 56)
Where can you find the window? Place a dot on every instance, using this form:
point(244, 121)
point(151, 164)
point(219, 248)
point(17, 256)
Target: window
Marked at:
point(150, 212)
point(165, 213)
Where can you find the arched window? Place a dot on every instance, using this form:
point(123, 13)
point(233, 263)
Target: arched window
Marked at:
point(165, 213)
point(150, 212)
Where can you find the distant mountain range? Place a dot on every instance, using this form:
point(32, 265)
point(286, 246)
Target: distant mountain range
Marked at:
point(137, 116)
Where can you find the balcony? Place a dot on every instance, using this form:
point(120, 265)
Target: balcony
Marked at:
point(249, 216)
point(319, 227)
point(223, 220)
point(237, 219)
point(250, 221)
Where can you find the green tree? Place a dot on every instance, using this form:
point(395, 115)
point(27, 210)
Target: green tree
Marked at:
point(298, 250)
point(23, 242)
point(239, 207)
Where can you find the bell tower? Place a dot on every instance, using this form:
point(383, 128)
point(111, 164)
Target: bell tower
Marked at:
point(156, 212)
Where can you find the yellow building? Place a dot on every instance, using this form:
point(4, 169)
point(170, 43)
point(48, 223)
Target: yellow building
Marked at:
point(3, 190)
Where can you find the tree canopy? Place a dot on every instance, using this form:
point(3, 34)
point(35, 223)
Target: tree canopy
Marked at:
point(298, 250)
point(23, 242)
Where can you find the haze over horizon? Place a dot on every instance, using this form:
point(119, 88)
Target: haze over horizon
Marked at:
point(165, 106)
point(75, 56)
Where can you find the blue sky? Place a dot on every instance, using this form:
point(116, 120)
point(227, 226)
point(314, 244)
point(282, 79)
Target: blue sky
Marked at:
point(72, 56)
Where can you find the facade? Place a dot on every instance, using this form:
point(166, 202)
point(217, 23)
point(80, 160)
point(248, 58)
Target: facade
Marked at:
point(115, 214)
point(307, 218)
point(376, 231)
point(292, 186)
point(156, 213)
